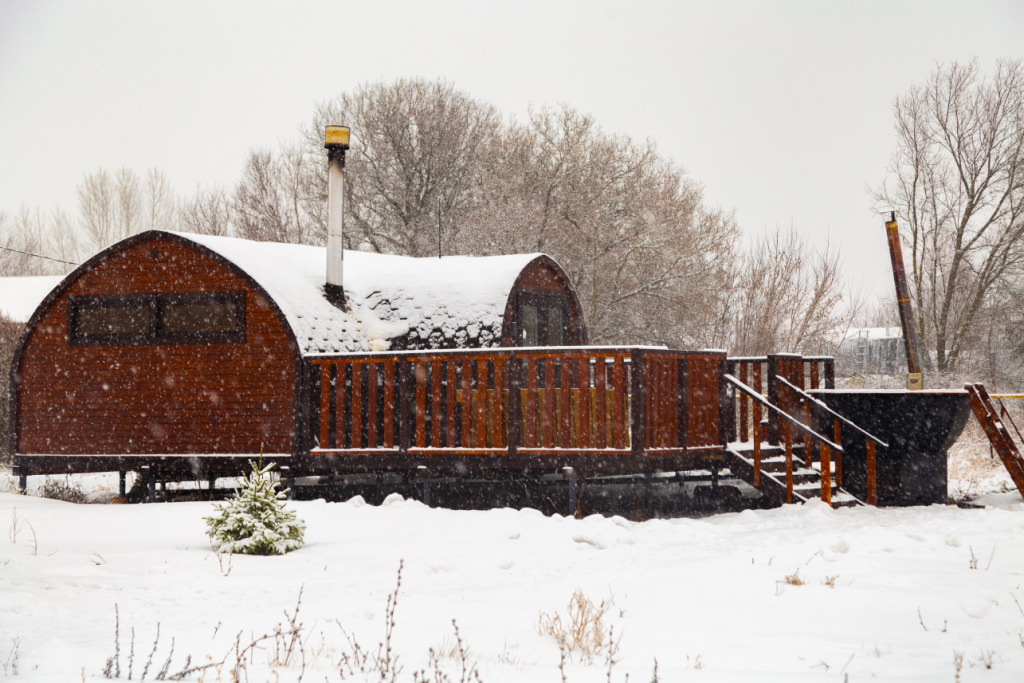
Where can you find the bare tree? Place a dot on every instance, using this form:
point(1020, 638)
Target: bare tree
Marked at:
point(786, 297)
point(630, 228)
point(110, 207)
point(415, 151)
point(957, 183)
point(157, 201)
point(208, 213)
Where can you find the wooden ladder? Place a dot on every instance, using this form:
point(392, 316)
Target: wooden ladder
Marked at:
point(995, 429)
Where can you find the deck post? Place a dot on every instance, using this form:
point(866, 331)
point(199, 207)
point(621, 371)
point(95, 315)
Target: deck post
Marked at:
point(151, 486)
point(423, 474)
point(726, 406)
point(772, 433)
point(211, 484)
point(22, 482)
point(120, 483)
point(570, 476)
point(515, 411)
point(830, 373)
point(406, 422)
point(649, 493)
point(637, 406)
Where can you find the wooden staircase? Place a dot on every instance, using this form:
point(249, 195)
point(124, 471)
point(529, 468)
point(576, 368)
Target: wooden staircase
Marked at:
point(783, 470)
point(772, 478)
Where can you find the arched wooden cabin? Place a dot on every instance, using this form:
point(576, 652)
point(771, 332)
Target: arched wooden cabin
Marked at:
point(189, 354)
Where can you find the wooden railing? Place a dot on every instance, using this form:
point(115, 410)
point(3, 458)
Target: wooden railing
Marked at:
point(614, 408)
point(788, 423)
point(816, 413)
point(759, 372)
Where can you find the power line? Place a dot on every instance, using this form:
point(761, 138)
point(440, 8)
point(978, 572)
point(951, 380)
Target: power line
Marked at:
point(28, 253)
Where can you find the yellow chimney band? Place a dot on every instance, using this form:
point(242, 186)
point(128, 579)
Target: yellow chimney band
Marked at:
point(336, 136)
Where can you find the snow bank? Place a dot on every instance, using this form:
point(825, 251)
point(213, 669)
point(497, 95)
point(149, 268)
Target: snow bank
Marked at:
point(885, 594)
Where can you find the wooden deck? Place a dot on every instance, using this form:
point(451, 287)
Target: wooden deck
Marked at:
point(598, 410)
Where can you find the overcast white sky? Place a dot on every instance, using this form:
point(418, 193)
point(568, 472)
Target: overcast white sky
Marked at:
point(782, 110)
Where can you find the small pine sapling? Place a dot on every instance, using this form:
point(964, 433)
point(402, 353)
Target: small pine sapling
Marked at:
point(255, 520)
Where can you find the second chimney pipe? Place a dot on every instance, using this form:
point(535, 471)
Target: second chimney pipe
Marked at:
point(336, 140)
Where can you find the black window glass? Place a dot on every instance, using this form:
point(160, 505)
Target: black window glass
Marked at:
point(113, 320)
point(159, 318)
point(199, 317)
point(556, 326)
point(530, 325)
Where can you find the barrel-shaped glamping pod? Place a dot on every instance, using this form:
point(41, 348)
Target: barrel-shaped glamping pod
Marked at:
point(184, 354)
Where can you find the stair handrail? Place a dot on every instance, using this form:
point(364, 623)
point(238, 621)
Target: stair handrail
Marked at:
point(789, 423)
point(1003, 411)
point(823, 407)
point(752, 393)
point(995, 430)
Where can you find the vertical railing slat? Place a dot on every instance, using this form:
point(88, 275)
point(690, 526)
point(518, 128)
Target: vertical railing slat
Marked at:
point(467, 404)
point(582, 409)
point(450, 389)
point(389, 404)
point(357, 405)
point(420, 375)
point(371, 405)
point(498, 403)
point(600, 386)
point(435, 403)
point(564, 394)
point(325, 406)
point(481, 403)
point(531, 402)
point(548, 418)
point(619, 414)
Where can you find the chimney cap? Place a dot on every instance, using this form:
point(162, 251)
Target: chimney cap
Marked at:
point(336, 137)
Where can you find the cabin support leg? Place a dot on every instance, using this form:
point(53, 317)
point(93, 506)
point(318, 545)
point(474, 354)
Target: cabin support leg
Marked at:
point(332, 485)
point(151, 487)
point(121, 483)
point(714, 483)
point(570, 476)
point(211, 484)
point(22, 482)
point(649, 493)
point(423, 474)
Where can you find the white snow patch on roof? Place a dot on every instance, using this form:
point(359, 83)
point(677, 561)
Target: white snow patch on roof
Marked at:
point(21, 296)
point(456, 299)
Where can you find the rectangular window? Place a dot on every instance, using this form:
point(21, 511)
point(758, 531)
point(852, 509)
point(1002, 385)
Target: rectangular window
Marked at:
point(161, 318)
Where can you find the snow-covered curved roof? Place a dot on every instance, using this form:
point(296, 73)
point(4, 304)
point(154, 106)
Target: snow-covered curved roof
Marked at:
point(450, 301)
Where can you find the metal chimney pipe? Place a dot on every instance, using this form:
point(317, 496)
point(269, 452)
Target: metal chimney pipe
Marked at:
point(336, 142)
point(915, 380)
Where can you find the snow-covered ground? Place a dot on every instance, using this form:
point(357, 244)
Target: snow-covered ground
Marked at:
point(886, 594)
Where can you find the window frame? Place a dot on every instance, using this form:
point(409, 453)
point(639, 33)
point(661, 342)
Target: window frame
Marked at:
point(155, 302)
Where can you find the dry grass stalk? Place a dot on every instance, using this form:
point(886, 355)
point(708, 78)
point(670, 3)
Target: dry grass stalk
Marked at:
point(581, 631)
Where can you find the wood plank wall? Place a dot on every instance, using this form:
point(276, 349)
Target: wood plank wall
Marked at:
point(179, 398)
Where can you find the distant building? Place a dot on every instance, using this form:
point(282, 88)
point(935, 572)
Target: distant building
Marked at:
point(872, 351)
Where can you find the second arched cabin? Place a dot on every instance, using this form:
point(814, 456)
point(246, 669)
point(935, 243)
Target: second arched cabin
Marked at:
point(189, 353)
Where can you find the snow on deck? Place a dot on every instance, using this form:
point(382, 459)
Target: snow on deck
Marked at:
point(451, 301)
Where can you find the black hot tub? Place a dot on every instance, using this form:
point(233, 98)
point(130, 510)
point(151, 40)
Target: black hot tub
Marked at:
point(919, 427)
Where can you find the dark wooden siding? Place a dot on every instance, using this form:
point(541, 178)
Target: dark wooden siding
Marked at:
point(168, 399)
point(544, 276)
